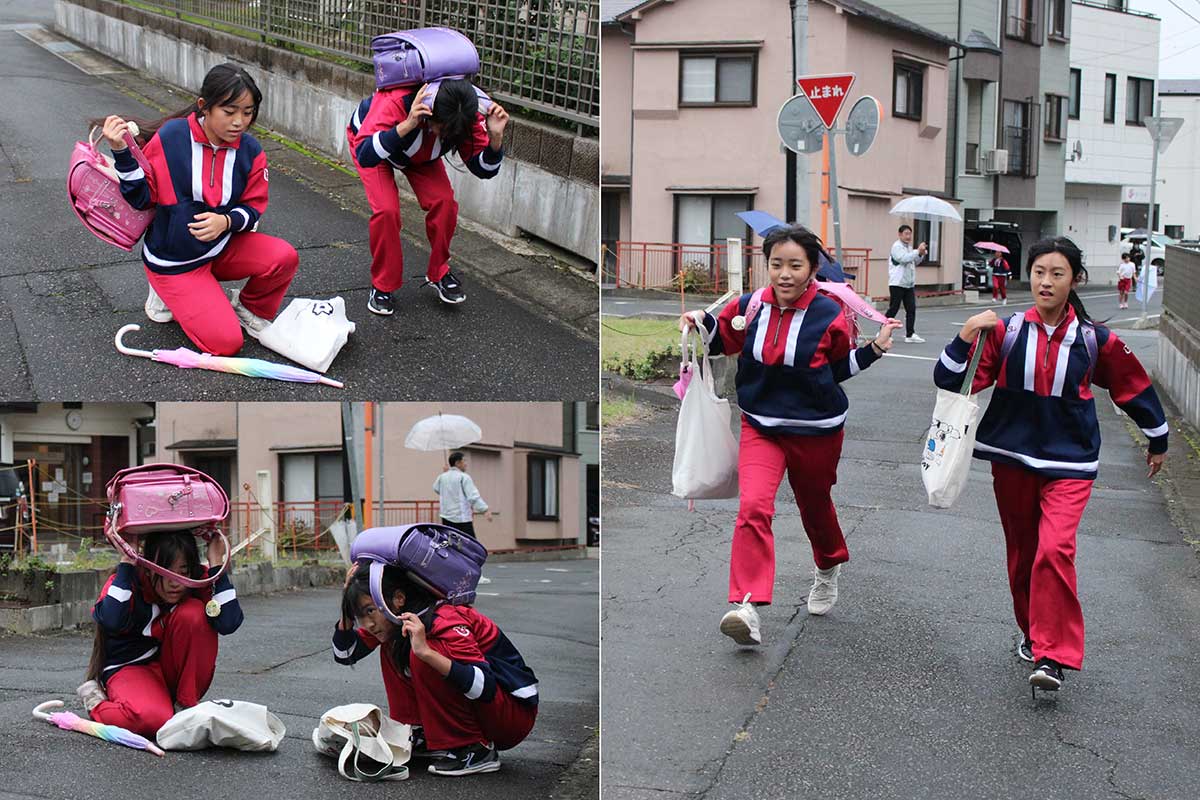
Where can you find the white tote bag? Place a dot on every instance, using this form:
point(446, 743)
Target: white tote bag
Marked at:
point(706, 454)
point(309, 332)
point(946, 458)
point(368, 744)
point(222, 723)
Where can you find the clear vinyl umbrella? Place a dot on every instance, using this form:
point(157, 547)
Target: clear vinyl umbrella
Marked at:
point(442, 432)
point(926, 207)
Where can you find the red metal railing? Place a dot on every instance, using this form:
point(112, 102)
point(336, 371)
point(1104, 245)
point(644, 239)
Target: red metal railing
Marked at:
point(304, 527)
point(704, 268)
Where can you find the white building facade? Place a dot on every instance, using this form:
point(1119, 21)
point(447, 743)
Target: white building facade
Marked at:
point(1108, 150)
point(1179, 168)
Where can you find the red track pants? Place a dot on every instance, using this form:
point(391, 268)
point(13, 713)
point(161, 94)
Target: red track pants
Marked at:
point(141, 698)
point(451, 720)
point(811, 465)
point(436, 197)
point(200, 305)
point(999, 287)
point(1040, 516)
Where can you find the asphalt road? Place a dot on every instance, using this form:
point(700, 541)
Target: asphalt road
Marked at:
point(64, 293)
point(909, 687)
point(281, 657)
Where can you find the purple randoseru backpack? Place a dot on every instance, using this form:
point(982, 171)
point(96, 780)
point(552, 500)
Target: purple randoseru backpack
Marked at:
point(95, 192)
point(444, 560)
point(422, 55)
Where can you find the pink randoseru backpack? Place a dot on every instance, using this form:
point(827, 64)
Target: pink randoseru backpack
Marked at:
point(95, 192)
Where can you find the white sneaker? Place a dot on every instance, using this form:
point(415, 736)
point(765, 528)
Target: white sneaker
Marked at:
point(914, 339)
point(1005, 302)
point(823, 594)
point(91, 695)
point(253, 324)
point(156, 309)
point(741, 624)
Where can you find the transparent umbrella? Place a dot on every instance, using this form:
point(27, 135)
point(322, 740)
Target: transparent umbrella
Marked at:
point(926, 207)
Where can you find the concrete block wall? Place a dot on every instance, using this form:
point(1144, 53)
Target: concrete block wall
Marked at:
point(548, 187)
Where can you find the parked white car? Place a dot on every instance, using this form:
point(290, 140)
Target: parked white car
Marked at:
point(1158, 249)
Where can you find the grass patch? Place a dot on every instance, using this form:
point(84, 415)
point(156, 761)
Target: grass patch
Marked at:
point(639, 348)
point(617, 410)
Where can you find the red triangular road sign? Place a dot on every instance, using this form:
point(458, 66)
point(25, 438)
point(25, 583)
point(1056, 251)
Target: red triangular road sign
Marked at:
point(827, 93)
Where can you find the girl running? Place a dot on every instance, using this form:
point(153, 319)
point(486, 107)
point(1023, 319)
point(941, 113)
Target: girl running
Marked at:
point(794, 347)
point(411, 130)
point(1041, 434)
point(449, 671)
point(155, 648)
point(207, 180)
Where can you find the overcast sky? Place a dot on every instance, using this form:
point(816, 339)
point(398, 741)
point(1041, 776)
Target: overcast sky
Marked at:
point(1179, 42)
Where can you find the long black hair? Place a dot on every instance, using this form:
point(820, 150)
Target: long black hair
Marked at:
point(455, 108)
point(163, 548)
point(813, 247)
point(417, 600)
point(223, 84)
point(1063, 245)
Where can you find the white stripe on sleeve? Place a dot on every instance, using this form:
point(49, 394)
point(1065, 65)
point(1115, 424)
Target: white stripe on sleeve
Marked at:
point(854, 368)
point(119, 594)
point(952, 365)
point(476, 689)
point(224, 597)
point(379, 149)
point(1151, 433)
point(132, 175)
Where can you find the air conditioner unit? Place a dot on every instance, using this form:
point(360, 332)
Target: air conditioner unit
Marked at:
point(995, 161)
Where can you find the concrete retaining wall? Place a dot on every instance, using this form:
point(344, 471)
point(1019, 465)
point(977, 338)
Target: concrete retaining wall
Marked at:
point(548, 187)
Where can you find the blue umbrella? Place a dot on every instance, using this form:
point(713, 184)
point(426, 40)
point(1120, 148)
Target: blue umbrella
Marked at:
point(763, 223)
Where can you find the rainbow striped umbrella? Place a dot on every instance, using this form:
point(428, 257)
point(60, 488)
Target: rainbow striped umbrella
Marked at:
point(184, 358)
point(69, 721)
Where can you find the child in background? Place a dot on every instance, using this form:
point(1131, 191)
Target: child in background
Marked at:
point(1001, 272)
point(207, 182)
point(1125, 272)
point(155, 646)
point(403, 128)
point(449, 671)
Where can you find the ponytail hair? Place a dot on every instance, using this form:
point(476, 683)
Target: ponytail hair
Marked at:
point(1079, 273)
point(223, 84)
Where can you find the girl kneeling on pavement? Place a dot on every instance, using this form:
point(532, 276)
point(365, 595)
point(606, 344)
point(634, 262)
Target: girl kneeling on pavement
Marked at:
point(791, 357)
point(1041, 434)
point(411, 130)
point(449, 671)
point(207, 181)
point(156, 640)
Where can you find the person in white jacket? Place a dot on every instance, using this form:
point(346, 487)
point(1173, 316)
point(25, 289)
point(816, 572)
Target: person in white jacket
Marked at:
point(460, 500)
point(902, 278)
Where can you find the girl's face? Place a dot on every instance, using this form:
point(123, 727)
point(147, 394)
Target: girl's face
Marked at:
point(229, 120)
point(169, 591)
point(789, 271)
point(1052, 282)
point(373, 620)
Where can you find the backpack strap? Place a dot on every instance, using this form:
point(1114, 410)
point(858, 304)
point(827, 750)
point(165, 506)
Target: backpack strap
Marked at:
point(754, 305)
point(1015, 323)
point(1088, 331)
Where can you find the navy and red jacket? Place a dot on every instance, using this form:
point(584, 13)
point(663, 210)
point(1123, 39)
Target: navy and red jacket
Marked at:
point(1042, 415)
point(133, 620)
point(373, 138)
point(482, 658)
point(790, 361)
point(189, 176)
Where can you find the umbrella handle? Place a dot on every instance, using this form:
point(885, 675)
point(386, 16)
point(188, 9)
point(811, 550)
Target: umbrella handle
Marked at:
point(40, 711)
point(129, 351)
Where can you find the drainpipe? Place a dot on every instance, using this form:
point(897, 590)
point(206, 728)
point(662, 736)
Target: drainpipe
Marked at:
point(799, 176)
point(957, 106)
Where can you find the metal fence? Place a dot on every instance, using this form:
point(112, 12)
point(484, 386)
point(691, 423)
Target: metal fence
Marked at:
point(543, 55)
point(703, 267)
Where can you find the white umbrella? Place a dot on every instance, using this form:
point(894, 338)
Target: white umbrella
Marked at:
point(925, 207)
point(442, 432)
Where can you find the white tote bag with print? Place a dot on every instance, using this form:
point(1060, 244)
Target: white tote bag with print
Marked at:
point(309, 332)
point(222, 723)
point(706, 453)
point(368, 744)
point(946, 457)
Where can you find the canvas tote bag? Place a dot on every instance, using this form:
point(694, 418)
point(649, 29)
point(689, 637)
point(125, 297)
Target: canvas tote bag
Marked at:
point(222, 723)
point(946, 457)
point(368, 744)
point(706, 453)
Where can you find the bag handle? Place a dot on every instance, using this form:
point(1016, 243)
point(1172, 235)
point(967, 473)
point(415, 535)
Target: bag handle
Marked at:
point(110, 532)
point(969, 379)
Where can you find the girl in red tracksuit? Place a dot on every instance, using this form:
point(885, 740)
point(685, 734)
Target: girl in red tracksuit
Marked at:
point(1041, 434)
point(156, 640)
point(207, 181)
point(411, 130)
point(793, 351)
point(449, 671)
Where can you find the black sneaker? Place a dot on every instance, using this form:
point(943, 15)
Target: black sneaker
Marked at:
point(1047, 675)
point(1025, 649)
point(449, 288)
point(380, 303)
point(420, 748)
point(467, 761)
